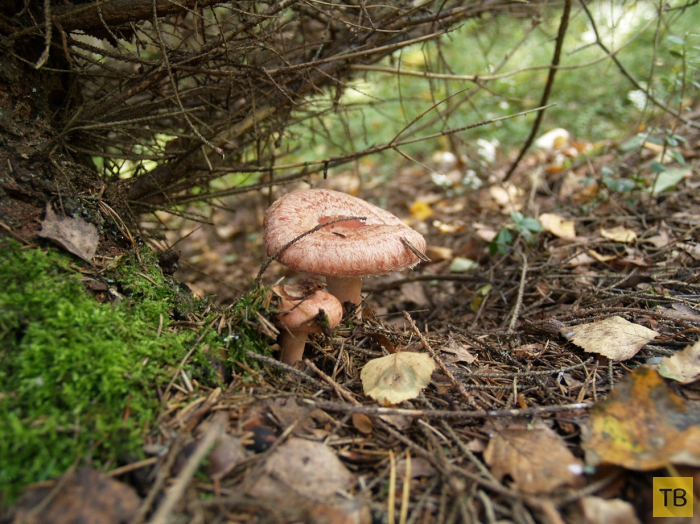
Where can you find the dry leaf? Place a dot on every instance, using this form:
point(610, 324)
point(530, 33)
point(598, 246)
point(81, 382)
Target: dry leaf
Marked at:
point(439, 253)
point(558, 226)
point(509, 198)
point(614, 337)
point(679, 312)
point(643, 425)
point(226, 456)
point(420, 210)
point(484, 232)
point(532, 454)
point(72, 234)
point(362, 423)
point(87, 496)
point(301, 480)
point(310, 469)
point(684, 366)
point(618, 234)
point(557, 138)
point(459, 351)
point(597, 510)
point(395, 378)
point(601, 258)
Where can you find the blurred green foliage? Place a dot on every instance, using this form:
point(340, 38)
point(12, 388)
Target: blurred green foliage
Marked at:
point(594, 101)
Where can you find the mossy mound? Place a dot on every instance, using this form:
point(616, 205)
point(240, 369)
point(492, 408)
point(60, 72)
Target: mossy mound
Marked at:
point(80, 379)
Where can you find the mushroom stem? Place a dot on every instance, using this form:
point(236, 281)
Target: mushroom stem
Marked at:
point(345, 289)
point(292, 346)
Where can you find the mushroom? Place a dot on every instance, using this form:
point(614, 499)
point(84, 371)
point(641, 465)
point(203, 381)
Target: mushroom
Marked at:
point(345, 251)
point(303, 309)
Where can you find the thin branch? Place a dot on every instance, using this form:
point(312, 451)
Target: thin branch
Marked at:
point(563, 25)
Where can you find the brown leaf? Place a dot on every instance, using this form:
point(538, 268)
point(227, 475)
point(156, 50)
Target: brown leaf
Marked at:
point(362, 423)
point(643, 425)
point(614, 337)
point(87, 496)
point(72, 234)
point(310, 469)
point(532, 454)
point(597, 510)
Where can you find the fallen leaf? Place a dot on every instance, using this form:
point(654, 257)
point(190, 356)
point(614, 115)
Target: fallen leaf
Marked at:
point(597, 510)
point(462, 265)
point(618, 234)
point(532, 454)
point(87, 496)
point(413, 292)
point(484, 232)
point(683, 366)
point(439, 253)
point(420, 210)
point(679, 312)
point(459, 351)
point(668, 178)
point(395, 378)
point(558, 226)
point(72, 234)
point(310, 469)
point(642, 425)
point(509, 198)
point(614, 337)
point(305, 481)
point(692, 249)
point(228, 453)
point(557, 138)
point(601, 258)
point(660, 240)
point(362, 423)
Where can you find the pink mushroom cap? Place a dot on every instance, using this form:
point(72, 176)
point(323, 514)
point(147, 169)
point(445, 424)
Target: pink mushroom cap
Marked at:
point(353, 248)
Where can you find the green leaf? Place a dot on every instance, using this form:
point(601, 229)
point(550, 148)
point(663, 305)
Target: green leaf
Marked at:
point(461, 265)
point(668, 179)
point(499, 245)
point(657, 168)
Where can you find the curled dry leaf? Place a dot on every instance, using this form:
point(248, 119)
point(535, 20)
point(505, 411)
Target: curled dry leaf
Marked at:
point(684, 366)
point(398, 377)
point(532, 454)
point(614, 337)
point(618, 234)
point(362, 423)
point(643, 425)
point(558, 226)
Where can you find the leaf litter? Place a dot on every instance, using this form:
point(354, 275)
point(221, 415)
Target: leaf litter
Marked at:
point(516, 426)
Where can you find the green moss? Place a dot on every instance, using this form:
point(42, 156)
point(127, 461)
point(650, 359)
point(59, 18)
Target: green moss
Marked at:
point(79, 378)
point(246, 333)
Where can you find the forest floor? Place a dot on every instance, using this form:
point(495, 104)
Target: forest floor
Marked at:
point(563, 387)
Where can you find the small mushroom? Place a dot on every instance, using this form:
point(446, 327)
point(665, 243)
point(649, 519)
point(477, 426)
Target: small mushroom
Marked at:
point(344, 251)
point(303, 310)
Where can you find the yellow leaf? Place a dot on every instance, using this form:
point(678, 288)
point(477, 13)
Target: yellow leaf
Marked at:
point(618, 234)
point(420, 210)
point(398, 377)
point(614, 337)
point(643, 425)
point(558, 226)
